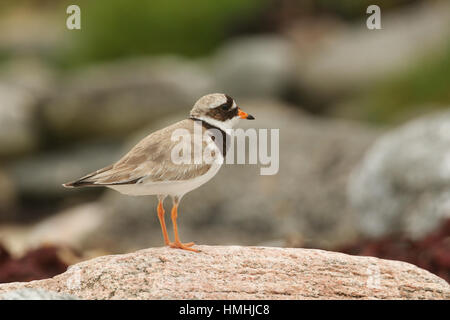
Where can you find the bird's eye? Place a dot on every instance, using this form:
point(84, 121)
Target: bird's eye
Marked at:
point(226, 106)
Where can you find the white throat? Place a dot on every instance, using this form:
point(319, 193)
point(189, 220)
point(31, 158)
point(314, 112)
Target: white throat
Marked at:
point(224, 125)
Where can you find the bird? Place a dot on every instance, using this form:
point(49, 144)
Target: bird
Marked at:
point(149, 169)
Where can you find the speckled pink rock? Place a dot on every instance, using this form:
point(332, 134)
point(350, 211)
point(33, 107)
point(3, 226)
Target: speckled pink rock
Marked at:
point(231, 272)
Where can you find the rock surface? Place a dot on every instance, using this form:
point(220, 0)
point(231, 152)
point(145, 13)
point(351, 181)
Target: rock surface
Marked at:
point(241, 273)
point(403, 184)
point(35, 294)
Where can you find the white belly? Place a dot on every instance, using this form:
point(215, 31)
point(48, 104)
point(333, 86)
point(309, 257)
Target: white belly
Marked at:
point(172, 188)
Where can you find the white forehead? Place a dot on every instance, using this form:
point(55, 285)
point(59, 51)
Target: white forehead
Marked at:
point(211, 101)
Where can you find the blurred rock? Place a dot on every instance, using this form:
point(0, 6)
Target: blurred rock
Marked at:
point(35, 294)
point(342, 59)
point(41, 175)
point(67, 228)
point(117, 98)
point(8, 195)
point(305, 201)
point(403, 184)
point(25, 83)
point(30, 74)
point(254, 67)
point(13, 239)
point(64, 231)
point(236, 272)
point(17, 120)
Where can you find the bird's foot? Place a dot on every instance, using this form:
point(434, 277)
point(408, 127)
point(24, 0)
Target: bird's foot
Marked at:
point(183, 246)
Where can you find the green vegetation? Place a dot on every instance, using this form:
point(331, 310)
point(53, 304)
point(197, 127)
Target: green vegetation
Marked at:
point(119, 28)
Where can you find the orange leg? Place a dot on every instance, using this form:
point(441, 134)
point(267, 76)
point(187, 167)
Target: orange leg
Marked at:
point(177, 243)
point(162, 221)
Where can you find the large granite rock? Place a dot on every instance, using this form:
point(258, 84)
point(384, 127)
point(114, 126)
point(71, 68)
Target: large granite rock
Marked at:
point(240, 273)
point(35, 294)
point(403, 184)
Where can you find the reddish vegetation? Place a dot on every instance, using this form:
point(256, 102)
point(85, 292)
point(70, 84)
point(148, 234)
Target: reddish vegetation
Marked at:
point(37, 264)
point(431, 253)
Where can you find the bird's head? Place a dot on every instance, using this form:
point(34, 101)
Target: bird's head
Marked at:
point(219, 110)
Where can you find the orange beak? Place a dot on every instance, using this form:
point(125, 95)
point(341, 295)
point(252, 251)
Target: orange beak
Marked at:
point(245, 115)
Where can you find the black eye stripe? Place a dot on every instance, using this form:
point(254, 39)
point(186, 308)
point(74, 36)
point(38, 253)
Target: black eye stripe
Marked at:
point(224, 111)
point(227, 105)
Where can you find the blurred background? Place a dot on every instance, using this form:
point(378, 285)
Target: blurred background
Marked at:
point(363, 115)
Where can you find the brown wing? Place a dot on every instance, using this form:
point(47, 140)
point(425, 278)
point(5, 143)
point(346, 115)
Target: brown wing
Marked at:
point(150, 159)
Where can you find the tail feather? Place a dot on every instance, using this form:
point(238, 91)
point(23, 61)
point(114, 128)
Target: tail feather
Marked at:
point(78, 183)
point(84, 181)
point(93, 180)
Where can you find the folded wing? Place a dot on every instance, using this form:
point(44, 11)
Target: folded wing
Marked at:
point(150, 161)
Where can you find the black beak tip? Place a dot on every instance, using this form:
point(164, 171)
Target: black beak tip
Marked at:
point(250, 117)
